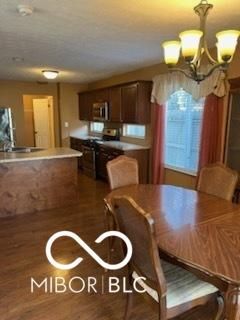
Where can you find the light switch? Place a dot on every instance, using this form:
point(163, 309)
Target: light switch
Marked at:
point(66, 124)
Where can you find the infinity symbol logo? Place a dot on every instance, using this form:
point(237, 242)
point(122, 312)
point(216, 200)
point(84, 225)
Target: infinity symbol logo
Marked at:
point(89, 250)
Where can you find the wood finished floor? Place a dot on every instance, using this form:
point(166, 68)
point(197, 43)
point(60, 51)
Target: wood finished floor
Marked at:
point(22, 242)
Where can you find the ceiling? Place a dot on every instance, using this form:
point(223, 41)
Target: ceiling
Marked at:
point(88, 40)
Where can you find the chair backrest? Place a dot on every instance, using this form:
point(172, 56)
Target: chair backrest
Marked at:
point(122, 171)
point(218, 180)
point(138, 226)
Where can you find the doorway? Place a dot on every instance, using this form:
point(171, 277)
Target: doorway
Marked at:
point(43, 124)
point(39, 121)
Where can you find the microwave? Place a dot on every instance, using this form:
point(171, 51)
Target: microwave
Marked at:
point(100, 111)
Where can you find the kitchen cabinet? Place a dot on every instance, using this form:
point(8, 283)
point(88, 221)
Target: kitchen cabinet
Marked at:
point(86, 100)
point(76, 144)
point(101, 95)
point(83, 108)
point(89, 161)
point(106, 154)
point(135, 102)
point(115, 104)
point(128, 103)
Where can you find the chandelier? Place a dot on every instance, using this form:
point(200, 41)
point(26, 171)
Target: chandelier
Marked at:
point(193, 46)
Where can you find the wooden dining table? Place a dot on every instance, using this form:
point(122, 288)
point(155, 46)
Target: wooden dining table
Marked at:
point(197, 231)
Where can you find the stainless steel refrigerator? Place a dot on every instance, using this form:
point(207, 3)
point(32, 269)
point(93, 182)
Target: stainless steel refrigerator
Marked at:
point(6, 125)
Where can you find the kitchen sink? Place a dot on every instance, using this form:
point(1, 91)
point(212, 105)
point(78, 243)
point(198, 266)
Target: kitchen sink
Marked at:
point(23, 149)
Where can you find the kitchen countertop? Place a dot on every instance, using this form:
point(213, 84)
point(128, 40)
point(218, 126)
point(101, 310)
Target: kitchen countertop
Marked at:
point(124, 146)
point(85, 137)
point(53, 153)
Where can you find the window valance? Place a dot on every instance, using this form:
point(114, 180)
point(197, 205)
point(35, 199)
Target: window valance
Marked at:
point(166, 84)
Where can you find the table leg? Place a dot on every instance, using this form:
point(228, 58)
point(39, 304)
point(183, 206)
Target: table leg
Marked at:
point(233, 303)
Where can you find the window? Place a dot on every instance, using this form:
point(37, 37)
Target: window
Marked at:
point(96, 127)
point(183, 130)
point(134, 131)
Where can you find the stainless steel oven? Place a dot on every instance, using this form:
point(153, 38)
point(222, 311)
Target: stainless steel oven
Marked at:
point(91, 152)
point(100, 111)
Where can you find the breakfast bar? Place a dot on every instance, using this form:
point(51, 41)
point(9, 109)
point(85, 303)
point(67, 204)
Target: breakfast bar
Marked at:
point(33, 181)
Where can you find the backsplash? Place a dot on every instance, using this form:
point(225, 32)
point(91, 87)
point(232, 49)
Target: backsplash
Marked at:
point(113, 125)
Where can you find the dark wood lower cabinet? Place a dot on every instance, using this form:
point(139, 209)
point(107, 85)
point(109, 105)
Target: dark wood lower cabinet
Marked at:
point(103, 156)
point(89, 161)
point(106, 154)
point(94, 164)
point(76, 144)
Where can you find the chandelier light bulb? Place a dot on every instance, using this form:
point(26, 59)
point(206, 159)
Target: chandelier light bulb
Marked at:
point(171, 52)
point(227, 42)
point(190, 41)
point(219, 58)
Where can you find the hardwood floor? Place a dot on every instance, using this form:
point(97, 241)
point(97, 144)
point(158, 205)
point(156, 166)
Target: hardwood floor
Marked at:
point(22, 256)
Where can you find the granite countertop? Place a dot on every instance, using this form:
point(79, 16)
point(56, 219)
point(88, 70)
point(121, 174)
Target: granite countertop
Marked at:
point(85, 137)
point(124, 146)
point(53, 153)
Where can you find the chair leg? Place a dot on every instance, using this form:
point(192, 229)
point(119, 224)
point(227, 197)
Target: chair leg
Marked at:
point(221, 308)
point(110, 224)
point(113, 239)
point(128, 308)
point(107, 226)
point(162, 311)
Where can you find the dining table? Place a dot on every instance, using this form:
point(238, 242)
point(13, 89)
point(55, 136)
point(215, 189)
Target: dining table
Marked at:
point(198, 231)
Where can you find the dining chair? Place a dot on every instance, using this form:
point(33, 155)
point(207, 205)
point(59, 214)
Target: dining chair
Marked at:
point(218, 180)
point(122, 171)
point(170, 289)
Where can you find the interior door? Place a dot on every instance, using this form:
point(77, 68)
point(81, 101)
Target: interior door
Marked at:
point(41, 123)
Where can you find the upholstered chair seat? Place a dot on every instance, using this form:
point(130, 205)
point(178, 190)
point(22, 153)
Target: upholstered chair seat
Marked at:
point(182, 286)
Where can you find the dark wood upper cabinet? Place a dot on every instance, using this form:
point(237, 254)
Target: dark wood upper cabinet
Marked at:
point(101, 95)
point(115, 104)
point(83, 110)
point(128, 103)
point(85, 106)
point(135, 102)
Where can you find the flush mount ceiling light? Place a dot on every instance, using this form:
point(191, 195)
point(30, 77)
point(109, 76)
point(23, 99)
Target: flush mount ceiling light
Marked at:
point(25, 10)
point(193, 46)
point(50, 74)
